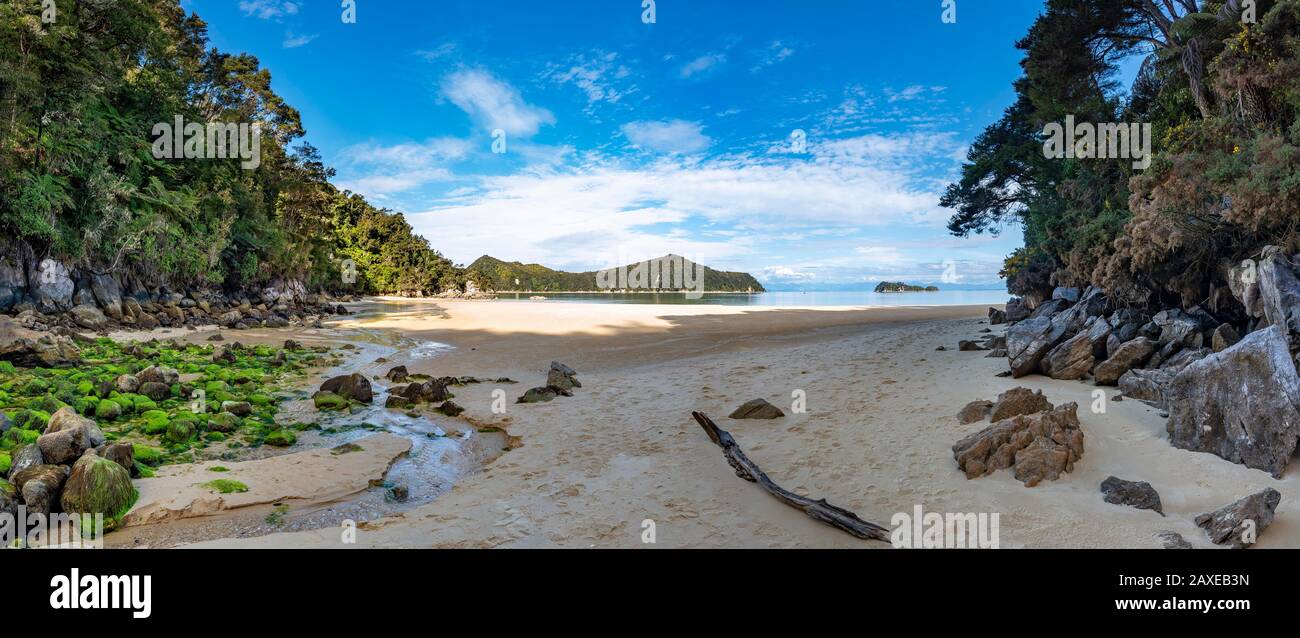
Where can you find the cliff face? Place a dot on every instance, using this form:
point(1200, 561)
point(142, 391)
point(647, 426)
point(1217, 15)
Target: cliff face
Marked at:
point(656, 274)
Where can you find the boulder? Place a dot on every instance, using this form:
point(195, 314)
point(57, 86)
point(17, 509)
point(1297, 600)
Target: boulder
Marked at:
point(562, 376)
point(997, 317)
point(1185, 358)
point(1037, 447)
point(223, 354)
point(975, 411)
point(66, 419)
point(1138, 494)
point(1069, 294)
point(1029, 341)
point(1178, 327)
point(1071, 360)
point(9, 499)
point(225, 422)
point(127, 384)
point(51, 286)
point(1239, 524)
point(1094, 303)
point(159, 374)
point(121, 453)
point(757, 409)
point(97, 485)
point(352, 386)
point(1243, 282)
point(970, 346)
point(1017, 310)
point(1049, 308)
point(1146, 385)
point(108, 294)
point(542, 395)
point(1279, 290)
point(25, 457)
point(996, 343)
point(40, 486)
point(237, 408)
point(89, 317)
point(67, 445)
point(450, 408)
point(1173, 540)
point(1242, 404)
point(397, 374)
point(328, 401)
point(1129, 355)
point(1017, 401)
point(156, 391)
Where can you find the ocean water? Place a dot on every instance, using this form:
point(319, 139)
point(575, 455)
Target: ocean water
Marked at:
point(941, 298)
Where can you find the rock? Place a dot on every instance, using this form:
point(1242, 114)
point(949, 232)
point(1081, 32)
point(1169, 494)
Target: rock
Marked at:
point(329, 401)
point(1129, 355)
point(1243, 282)
point(156, 391)
point(431, 391)
point(121, 453)
point(108, 410)
point(159, 374)
point(30, 349)
point(450, 408)
point(1094, 303)
point(51, 287)
point(127, 383)
point(941, 349)
point(9, 500)
point(757, 409)
point(1279, 290)
point(216, 337)
point(1185, 358)
point(1146, 385)
point(395, 402)
point(1017, 310)
point(1037, 447)
point(108, 294)
point(1136, 494)
point(398, 494)
point(179, 431)
point(1178, 327)
point(1017, 401)
point(1070, 360)
point(996, 343)
point(237, 408)
point(292, 346)
point(542, 395)
point(281, 438)
point(970, 346)
point(1240, 404)
point(66, 419)
point(1240, 523)
point(98, 486)
point(975, 411)
point(398, 374)
point(354, 386)
point(1173, 540)
point(69, 443)
point(1069, 294)
point(1027, 343)
point(997, 317)
point(562, 376)
point(1049, 308)
point(25, 457)
point(40, 486)
point(225, 422)
point(1224, 337)
point(223, 354)
point(89, 317)
point(998, 353)
point(146, 321)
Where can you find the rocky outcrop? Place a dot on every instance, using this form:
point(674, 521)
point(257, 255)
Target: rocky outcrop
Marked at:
point(997, 317)
point(1242, 404)
point(1071, 360)
point(1279, 290)
point(562, 376)
point(1128, 355)
point(757, 409)
point(1017, 401)
point(31, 349)
point(1238, 525)
point(1137, 494)
point(1036, 447)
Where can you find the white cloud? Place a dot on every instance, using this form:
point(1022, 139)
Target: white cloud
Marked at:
point(267, 9)
point(379, 171)
point(675, 136)
point(441, 51)
point(596, 74)
point(774, 54)
point(494, 104)
point(588, 214)
point(913, 92)
point(702, 64)
point(292, 41)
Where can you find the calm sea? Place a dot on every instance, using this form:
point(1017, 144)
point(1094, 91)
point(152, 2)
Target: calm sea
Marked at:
point(941, 298)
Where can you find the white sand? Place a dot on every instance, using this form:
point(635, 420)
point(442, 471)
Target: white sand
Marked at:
point(876, 438)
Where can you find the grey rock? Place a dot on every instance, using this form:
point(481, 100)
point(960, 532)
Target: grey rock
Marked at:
point(1146, 385)
point(1069, 294)
point(1239, 524)
point(757, 409)
point(1224, 337)
point(1240, 404)
point(975, 411)
point(354, 386)
point(51, 286)
point(89, 317)
point(41, 486)
point(1126, 357)
point(1173, 540)
point(1138, 494)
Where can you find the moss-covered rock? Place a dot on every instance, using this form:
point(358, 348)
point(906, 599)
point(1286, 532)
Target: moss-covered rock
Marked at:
point(107, 410)
point(155, 422)
point(281, 438)
point(329, 401)
point(5, 463)
point(224, 422)
point(179, 432)
point(98, 486)
point(146, 455)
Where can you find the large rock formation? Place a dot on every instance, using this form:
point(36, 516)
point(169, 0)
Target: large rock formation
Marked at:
point(1018, 401)
point(1279, 290)
point(1128, 355)
point(1242, 404)
point(1038, 446)
point(31, 349)
point(1146, 385)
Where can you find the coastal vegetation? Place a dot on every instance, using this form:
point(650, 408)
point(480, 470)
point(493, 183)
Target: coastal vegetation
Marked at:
point(898, 286)
point(489, 273)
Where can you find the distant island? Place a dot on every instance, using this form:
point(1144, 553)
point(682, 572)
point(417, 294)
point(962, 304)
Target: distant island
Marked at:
point(494, 275)
point(898, 286)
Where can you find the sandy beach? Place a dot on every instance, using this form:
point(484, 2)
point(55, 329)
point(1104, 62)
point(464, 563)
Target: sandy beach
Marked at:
point(587, 470)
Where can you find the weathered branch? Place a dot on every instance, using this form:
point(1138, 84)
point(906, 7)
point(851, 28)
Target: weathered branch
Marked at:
point(820, 509)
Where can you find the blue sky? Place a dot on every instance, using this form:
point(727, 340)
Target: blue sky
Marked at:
point(626, 140)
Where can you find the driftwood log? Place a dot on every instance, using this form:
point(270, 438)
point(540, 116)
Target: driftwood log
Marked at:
point(819, 509)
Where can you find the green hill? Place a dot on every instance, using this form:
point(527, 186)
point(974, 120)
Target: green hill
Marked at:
point(898, 286)
point(493, 274)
